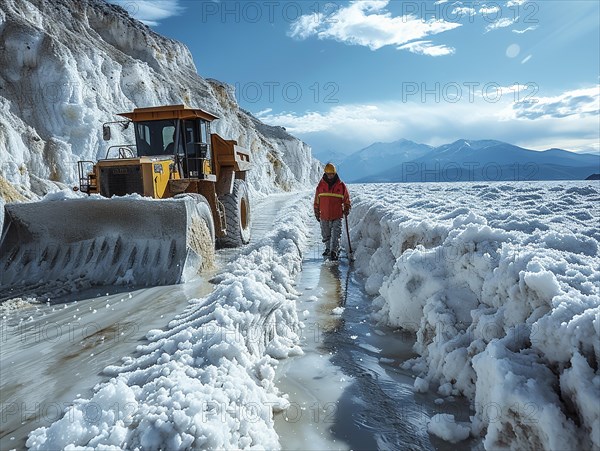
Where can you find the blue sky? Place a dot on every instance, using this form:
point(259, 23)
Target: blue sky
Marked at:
point(342, 75)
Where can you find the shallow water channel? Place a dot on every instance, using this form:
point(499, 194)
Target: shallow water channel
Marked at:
point(348, 390)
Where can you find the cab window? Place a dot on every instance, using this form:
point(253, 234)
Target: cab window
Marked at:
point(155, 137)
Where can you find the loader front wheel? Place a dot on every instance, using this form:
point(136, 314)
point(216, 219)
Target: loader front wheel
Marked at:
point(237, 216)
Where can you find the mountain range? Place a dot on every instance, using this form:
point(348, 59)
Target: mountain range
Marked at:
point(463, 160)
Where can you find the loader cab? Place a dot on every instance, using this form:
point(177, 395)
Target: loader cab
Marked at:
point(188, 140)
point(177, 131)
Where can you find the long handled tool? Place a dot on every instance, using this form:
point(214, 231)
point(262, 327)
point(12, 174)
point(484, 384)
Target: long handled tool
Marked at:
point(350, 253)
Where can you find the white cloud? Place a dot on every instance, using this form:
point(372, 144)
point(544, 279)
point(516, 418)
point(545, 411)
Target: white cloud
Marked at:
point(151, 12)
point(569, 120)
point(517, 92)
point(339, 120)
point(533, 27)
point(427, 48)
point(367, 23)
point(306, 26)
point(515, 3)
point(501, 23)
point(464, 11)
point(580, 103)
point(264, 112)
point(488, 10)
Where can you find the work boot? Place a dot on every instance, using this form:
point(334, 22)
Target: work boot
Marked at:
point(326, 252)
point(334, 255)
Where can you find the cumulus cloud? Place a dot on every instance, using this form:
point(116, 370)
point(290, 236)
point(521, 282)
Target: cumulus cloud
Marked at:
point(427, 48)
point(367, 23)
point(464, 11)
point(151, 12)
point(580, 102)
point(488, 10)
point(501, 23)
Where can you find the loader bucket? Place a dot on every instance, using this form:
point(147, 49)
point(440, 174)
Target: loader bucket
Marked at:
point(66, 245)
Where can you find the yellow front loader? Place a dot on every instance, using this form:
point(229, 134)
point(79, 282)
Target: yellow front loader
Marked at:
point(153, 213)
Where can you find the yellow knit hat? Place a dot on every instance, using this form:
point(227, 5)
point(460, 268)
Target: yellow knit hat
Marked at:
point(329, 168)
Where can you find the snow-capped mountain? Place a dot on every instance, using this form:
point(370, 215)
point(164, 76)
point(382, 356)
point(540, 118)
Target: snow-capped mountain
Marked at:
point(491, 151)
point(488, 160)
point(326, 156)
point(378, 157)
point(67, 66)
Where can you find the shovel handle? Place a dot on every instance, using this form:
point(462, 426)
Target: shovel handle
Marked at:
point(348, 234)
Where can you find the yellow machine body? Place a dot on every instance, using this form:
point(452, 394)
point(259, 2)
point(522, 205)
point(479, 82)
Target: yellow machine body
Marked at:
point(148, 176)
point(180, 156)
point(185, 174)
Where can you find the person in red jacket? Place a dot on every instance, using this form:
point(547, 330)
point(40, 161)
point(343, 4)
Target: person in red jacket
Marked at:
point(332, 203)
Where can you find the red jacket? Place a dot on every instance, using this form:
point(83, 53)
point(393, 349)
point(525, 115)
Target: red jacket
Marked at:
point(331, 202)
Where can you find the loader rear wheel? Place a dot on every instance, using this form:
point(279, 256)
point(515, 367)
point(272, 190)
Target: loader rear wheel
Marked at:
point(237, 216)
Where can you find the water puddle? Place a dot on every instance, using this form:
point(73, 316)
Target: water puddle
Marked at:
point(349, 391)
point(313, 382)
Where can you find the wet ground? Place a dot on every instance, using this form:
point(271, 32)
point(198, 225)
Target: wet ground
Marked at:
point(348, 391)
point(55, 352)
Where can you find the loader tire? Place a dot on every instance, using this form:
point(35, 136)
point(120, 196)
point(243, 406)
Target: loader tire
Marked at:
point(237, 216)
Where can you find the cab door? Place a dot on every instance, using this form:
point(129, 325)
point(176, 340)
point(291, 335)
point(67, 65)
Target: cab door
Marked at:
point(197, 148)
